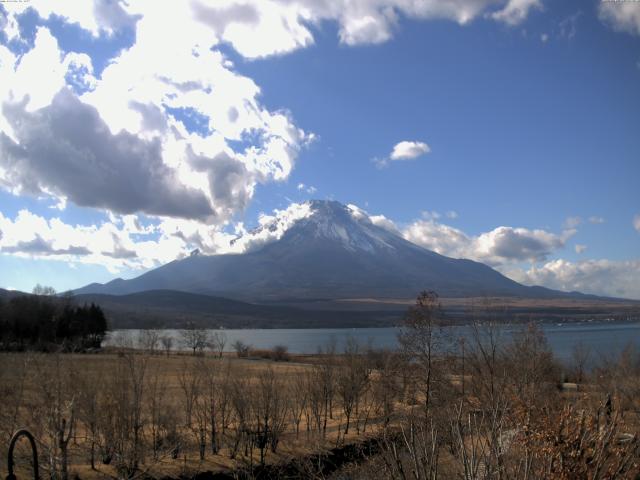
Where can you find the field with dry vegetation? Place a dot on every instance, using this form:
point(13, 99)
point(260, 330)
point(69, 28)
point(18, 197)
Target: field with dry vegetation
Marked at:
point(490, 407)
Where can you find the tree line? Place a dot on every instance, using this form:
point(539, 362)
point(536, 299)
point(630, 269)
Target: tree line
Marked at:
point(43, 321)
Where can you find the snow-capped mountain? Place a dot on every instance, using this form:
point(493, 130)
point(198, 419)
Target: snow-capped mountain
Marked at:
point(324, 250)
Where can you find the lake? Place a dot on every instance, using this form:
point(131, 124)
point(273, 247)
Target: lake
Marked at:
point(603, 339)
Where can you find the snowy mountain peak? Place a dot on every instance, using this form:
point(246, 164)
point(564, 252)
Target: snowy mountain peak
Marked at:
point(347, 225)
point(327, 221)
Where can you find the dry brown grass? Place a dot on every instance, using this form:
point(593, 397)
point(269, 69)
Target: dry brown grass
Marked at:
point(27, 370)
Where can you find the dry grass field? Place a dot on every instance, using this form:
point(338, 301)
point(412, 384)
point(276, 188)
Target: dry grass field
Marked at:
point(502, 410)
point(174, 401)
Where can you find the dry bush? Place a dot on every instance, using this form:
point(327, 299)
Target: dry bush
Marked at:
point(242, 349)
point(279, 353)
point(575, 443)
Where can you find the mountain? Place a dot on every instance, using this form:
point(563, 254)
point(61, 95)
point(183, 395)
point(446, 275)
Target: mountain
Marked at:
point(173, 309)
point(7, 295)
point(330, 251)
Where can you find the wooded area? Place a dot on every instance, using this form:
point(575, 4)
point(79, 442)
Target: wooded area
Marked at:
point(45, 322)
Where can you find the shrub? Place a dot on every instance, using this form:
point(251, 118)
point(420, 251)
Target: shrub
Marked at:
point(280, 353)
point(241, 348)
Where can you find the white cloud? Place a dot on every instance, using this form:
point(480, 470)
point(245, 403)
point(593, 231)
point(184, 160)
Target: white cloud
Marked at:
point(131, 242)
point(599, 277)
point(378, 220)
point(258, 28)
point(67, 151)
point(122, 242)
point(407, 150)
point(310, 189)
point(384, 222)
point(508, 244)
point(572, 222)
point(516, 11)
point(438, 237)
point(621, 16)
point(39, 74)
point(500, 246)
point(30, 235)
point(97, 17)
point(544, 37)
point(580, 248)
point(128, 114)
point(568, 27)
point(270, 228)
point(636, 222)
point(430, 215)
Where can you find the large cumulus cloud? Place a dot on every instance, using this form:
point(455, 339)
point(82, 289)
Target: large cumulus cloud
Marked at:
point(258, 28)
point(600, 276)
point(622, 16)
point(500, 246)
point(67, 150)
point(126, 142)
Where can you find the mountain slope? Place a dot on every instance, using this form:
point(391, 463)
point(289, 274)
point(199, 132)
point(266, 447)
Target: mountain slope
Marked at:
point(332, 252)
point(172, 309)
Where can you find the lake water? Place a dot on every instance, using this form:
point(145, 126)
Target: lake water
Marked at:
point(603, 339)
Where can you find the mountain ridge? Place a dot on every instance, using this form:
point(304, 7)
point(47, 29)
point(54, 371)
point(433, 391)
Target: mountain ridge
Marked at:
point(329, 251)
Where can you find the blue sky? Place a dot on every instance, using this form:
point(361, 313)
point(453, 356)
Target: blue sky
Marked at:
point(519, 120)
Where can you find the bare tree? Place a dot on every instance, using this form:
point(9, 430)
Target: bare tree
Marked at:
point(123, 421)
point(533, 370)
point(241, 403)
point(157, 407)
point(386, 388)
point(201, 410)
point(269, 412)
point(167, 343)
point(580, 354)
point(241, 348)
point(299, 395)
point(486, 356)
point(194, 338)
point(56, 410)
point(212, 385)
point(421, 338)
point(88, 387)
point(218, 342)
point(412, 452)
point(44, 291)
point(317, 398)
point(489, 369)
point(352, 379)
point(15, 374)
point(189, 379)
point(148, 340)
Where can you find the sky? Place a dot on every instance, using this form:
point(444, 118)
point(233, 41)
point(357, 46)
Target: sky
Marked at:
point(505, 131)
